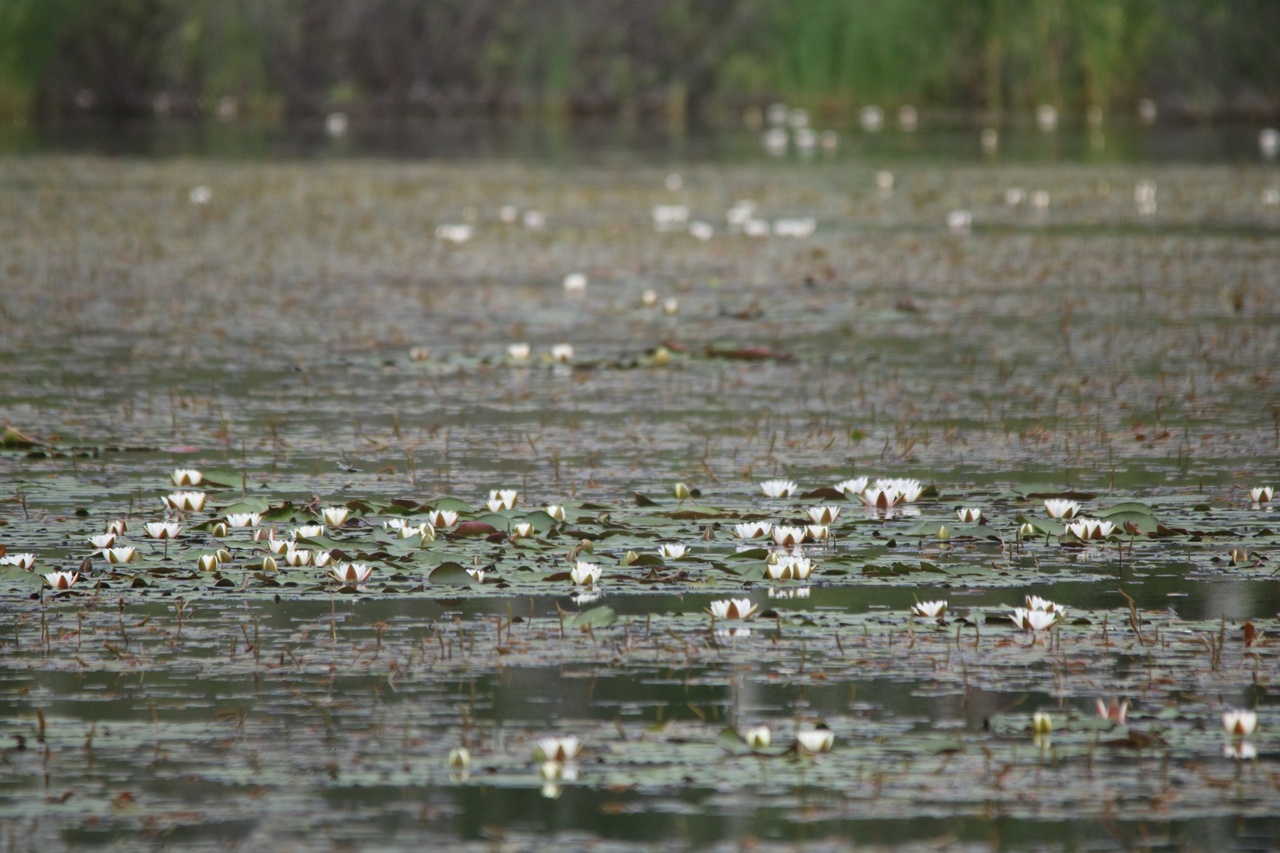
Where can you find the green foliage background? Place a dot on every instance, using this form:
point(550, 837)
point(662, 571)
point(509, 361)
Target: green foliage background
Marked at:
point(1199, 58)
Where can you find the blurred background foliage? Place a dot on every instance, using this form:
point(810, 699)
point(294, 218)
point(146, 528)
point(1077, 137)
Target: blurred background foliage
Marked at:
point(1197, 58)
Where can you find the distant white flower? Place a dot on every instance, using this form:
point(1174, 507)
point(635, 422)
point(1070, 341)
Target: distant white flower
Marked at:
point(788, 537)
point(777, 488)
point(1261, 494)
point(871, 117)
point(824, 514)
point(670, 306)
point(788, 568)
point(200, 194)
point(186, 477)
point(649, 298)
point(506, 497)
point(1090, 528)
point(477, 575)
point(534, 219)
point(308, 531)
point(24, 560)
point(701, 230)
point(814, 741)
point(335, 516)
point(102, 541)
point(335, 124)
point(733, 608)
point(523, 530)
point(562, 353)
point(1061, 508)
point(575, 282)
point(884, 181)
point(116, 556)
point(351, 572)
point(960, 221)
point(1040, 200)
point(518, 351)
point(671, 551)
point(800, 227)
point(459, 758)
point(1116, 712)
point(1239, 723)
point(419, 353)
point(61, 580)
point(441, 518)
point(185, 501)
point(561, 750)
point(508, 213)
point(585, 574)
point(752, 529)
point(1047, 117)
point(989, 139)
point(668, 217)
point(1034, 620)
point(929, 609)
point(454, 232)
point(244, 519)
point(758, 737)
point(852, 488)
point(1041, 723)
point(969, 514)
point(162, 529)
point(556, 512)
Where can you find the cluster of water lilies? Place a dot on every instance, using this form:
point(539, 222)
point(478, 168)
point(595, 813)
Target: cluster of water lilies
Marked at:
point(1039, 614)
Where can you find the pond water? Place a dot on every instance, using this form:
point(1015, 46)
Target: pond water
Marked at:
point(289, 317)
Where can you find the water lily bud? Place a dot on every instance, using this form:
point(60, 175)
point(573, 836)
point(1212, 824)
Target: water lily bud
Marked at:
point(219, 530)
point(223, 555)
point(269, 564)
point(556, 512)
point(460, 758)
point(943, 533)
point(772, 559)
point(682, 492)
point(1041, 723)
point(630, 557)
point(208, 562)
point(758, 737)
point(661, 355)
point(1027, 529)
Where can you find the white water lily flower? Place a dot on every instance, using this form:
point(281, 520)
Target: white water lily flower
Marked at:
point(518, 351)
point(296, 557)
point(560, 750)
point(1027, 529)
point(1061, 508)
point(585, 574)
point(269, 564)
point(494, 505)
point(788, 537)
point(818, 532)
point(907, 490)
point(186, 477)
point(102, 541)
point(207, 562)
point(1041, 723)
point(1090, 528)
point(880, 498)
point(335, 516)
point(1261, 494)
point(733, 608)
point(185, 501)
point(23, 560)
point(507, 497)
point(824, 514)
point(219, 530)
point(454, 232)
point(1035, 602)
point(752, 529)
point(350, 573)
point(575, 282)
point(411, 530)
point(278, 546)
point(556, 511)
point(814, 741)
point(758, 737)
point(969, 514)
point(442, 518)
point(1239, 723)
point(562, 353)
point(244, 519)
point(477, 575)
point(670, 551)
point(929, 609)
point(789, 568)
point(162, 529)
point(320, 559)
point(523, 530)
point(118, 527)
point(1116, 712)
point(852, 488)
point(124, 554)
point(61, 580)
point(1034, 620)
point(308, 531)
point(459, 758)
point(777, 488)
point(394, 524)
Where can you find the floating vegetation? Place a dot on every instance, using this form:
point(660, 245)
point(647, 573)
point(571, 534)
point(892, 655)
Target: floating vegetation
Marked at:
point(884, 533)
